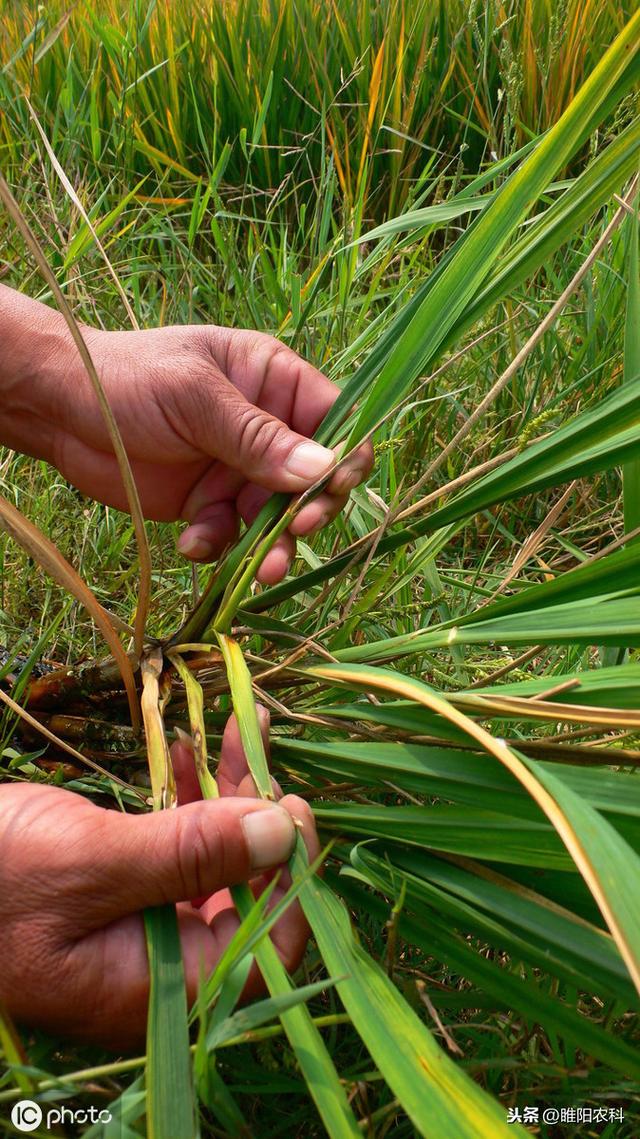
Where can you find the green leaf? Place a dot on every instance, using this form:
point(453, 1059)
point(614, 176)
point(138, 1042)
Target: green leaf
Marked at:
point(259, 1013)
point(87, 233)
point(616, 687)
point(506, 987)
point(314, 1060)
point(607, 863)
point(614, 621)
point(244, 706)
point(463, 275)
point(315, 1063)
point(527, 926)
point(460, 776)
point(438, 1097)
point(261, 113)
point(538, 242)
point(170, 1104)
point(631, 470)
point(476, 834)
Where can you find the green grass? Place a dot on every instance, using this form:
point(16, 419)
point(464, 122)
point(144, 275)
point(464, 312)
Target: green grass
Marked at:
point(221, 195)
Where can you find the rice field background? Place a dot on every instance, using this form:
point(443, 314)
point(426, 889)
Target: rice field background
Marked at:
point(306, 169)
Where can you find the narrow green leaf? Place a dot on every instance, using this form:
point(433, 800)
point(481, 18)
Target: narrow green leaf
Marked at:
point(13, 1053)
point(259, 1013)
point(607, 863)
point(539, 241)
point(441, 1101)
point(315, 1063)
point(449, 773)
point(463, 275)
point(261, 113)
point(631, 470)
point(507, 989)
point(524, 924)
point(170, 1106)
point(244, 706)
point(616, 687)
point(484, 834)
point(614, 621)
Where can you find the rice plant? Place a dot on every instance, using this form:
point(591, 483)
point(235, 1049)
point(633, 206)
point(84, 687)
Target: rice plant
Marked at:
point(451, 672)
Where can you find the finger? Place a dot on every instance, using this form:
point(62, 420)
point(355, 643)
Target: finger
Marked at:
point(317, 514)
point(233, 766)
point(248, 788)
point(273, 376)
point(277, 562)
point(110, 964)
point(301, 813)
point(172, 856)
point(184, 770)
point(217, 418)
point(289, 936)
point(213, 529)
point(353, 471)
point(97, 475)
point(110, 971)
point(291, 932)
point(217, 483)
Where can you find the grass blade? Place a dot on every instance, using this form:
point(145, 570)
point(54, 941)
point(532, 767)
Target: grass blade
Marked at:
point(169, 1077)
point(259, 1013)
point(13, 1052)
point(439, 1098)
point(43, 551)
point(131, 491)
point(463, 275)
point(311, 1053)
point(508, 989)
point(603, 858)
point(244, 706)
point(315, 1063)
point(170, 1106)
point(631, 470)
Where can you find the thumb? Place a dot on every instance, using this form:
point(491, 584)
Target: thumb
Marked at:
point(262, 447)
point(185, 853)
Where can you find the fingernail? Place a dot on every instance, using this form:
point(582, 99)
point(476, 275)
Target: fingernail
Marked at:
point(323, 521)
point(270, 836)
point(263, 716)
point(192, 545)
point(309, 461)
point(351, 479)
point(183, 737)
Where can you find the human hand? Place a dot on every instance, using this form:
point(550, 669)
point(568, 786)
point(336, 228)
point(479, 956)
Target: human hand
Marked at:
point(76, 876)
point(213, 420)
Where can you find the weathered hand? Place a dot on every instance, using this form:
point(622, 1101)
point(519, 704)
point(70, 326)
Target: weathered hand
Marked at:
point(213, 419)
point(75, 877)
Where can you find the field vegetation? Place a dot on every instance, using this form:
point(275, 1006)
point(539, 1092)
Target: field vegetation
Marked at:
point(435, 202)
